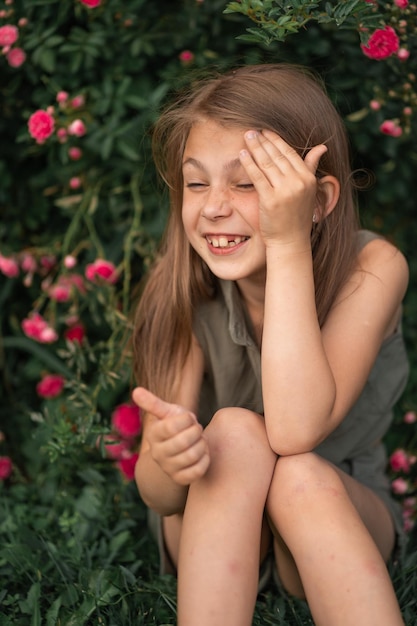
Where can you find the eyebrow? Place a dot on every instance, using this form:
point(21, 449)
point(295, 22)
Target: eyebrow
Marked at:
point(231, 165)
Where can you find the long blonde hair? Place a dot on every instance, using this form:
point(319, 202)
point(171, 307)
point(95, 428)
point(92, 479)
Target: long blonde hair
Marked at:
point(290, 101)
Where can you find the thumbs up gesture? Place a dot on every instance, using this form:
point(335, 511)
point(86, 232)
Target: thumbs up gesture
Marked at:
point(175, 438)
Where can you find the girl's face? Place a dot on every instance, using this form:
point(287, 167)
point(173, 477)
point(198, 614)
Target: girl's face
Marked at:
point(220, 209)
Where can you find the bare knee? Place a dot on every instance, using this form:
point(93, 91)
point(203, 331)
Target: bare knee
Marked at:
point(301, 479)
point(235, 431)
point(239, 449)
point(300, 486)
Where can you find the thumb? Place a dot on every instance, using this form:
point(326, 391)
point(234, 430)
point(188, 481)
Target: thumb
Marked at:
point(150, 403)
point(313, 157)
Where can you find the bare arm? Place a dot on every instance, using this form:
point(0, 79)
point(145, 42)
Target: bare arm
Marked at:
point(173, 451)
point(323, 373)
point(311, 377)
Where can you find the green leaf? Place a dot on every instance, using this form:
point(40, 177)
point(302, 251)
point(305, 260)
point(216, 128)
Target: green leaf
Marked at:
point(31, 604)
point(127, 150)
point(39, 351)
point(47, 60)
point(136, 102)
point(53, 612)
point(119, 541)
point(107, 147)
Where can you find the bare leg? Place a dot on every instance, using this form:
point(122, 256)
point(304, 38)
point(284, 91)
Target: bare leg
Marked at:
point(333, 535)
point(221, 533)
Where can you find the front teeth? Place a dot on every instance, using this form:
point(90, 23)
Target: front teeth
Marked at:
point(225, 242)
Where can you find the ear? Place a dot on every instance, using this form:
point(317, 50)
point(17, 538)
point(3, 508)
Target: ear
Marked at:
point(328, 193)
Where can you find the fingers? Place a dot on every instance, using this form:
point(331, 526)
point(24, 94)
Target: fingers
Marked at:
point(188, 462)
point(154, 405)
point(182, 453)
point(269, 152)
point(175, 438)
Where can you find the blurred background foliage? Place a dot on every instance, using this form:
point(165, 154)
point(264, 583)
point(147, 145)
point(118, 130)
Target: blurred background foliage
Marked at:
point(74, 547)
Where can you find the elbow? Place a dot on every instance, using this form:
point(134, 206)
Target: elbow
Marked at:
point(301, 424)
point(287, 445)
point(293, 436)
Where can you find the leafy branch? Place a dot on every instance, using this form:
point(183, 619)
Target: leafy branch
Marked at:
point(276, 19)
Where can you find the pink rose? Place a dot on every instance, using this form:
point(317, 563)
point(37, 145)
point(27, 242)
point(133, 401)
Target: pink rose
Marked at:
point(375, 105)
point(75, 153)
point(41, 125)
point(403, 54)
point(74, 280)
point(76, 332)
point(16, 57)
point(401, 4)
point(399, 461)
point(28, 263)
point(410, 417)
point(61, 97)
point(70, 261)
point(91, 3)
point(77, 128)
point(8, 35)
point(62, 135)
point(77, 102)
point(36, 327)
point(9, 267)
point(186, 56)
point(399, 486)
point(126, 420)
point(127, 466)
point(50, 386)
point(389, 127)
point(75, 182)
point(101, 269)
point(48, 261)
point(382, 43)
point(115, 447)
point(63, 289)
point(60, 292)
point(48, 335)
point(6, 467)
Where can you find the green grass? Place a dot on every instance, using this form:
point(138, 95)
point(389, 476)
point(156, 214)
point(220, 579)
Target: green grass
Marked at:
point(75, 551)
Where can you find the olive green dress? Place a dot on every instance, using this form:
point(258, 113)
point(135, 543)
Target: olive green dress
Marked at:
point(232, 377)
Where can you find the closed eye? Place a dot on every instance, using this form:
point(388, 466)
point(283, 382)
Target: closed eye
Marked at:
point(195, 185)
point(245, 186)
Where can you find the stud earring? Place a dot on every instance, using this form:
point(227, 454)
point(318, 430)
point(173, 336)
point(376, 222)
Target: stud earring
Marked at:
point(314, 218)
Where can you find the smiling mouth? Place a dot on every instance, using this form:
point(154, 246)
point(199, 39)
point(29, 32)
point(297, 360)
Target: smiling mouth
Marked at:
point(225, 242)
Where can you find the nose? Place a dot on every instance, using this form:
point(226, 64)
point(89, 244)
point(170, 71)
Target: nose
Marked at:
point(217, 204)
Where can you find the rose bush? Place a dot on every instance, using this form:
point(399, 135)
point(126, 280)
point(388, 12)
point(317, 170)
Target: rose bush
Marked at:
point(81, 217)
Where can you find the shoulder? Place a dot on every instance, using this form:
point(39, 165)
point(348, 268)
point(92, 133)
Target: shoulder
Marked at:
point(383, 260)
point(374, 291)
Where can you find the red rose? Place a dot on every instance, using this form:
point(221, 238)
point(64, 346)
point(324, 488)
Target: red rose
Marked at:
point(382, 43)
point(50, 386)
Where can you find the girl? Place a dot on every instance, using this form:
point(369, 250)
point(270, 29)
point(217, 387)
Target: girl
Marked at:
point(269, 352)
